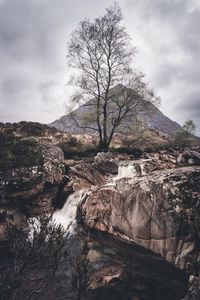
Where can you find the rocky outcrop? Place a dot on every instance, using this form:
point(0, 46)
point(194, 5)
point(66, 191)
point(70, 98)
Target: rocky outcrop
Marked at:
point(140, 215)
point(125, 270)
point(30, 182)
point(159, 211)
point(44, 133)
point(191, 157)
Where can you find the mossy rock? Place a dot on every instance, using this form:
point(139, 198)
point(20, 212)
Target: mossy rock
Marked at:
point(7, 142)
point(17, 153)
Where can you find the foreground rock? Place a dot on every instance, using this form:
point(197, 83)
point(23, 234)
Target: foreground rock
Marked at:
point(139, 213)
point(159, 211)
point(29, 184)
point(125, 270)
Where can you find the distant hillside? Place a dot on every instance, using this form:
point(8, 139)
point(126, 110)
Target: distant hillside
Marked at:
point(150, 117)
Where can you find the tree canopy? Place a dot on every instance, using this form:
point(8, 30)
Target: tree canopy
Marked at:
point(101, 53)
point(182, 136)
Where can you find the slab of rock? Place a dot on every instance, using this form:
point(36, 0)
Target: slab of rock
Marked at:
point(192, 157)
point(125, 270)
point(159, 211)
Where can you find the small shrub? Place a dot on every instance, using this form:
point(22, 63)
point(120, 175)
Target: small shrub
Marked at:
point(183, 136)
point(80, 276)
point(136, 152)
point(73, 142)
point(28, 264)
point(78, 152)
point(157, 148)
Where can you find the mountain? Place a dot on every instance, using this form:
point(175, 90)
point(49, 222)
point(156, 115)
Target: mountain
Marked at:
point(150, 116)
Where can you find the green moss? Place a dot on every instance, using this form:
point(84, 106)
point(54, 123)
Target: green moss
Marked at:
point(27, 153)
point(16, 153)
point(136, 152)
point(7, 142)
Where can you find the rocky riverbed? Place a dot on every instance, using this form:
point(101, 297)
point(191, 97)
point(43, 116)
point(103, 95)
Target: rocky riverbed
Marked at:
point(140, 217)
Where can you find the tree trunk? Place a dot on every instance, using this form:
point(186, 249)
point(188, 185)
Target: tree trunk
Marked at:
point(103, 145)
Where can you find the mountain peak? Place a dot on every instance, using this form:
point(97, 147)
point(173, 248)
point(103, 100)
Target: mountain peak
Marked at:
point(150, 116)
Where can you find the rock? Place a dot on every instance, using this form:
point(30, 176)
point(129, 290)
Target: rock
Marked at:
point(30, 182)
point(104, 162)
point(194, 288)
point(11, 216)
point(191, 157)
point(158, 211)
point(102, 157)
point(53, 164)
point(88, 173)
point(109, 167)
point(125, 270)
point(141, 215)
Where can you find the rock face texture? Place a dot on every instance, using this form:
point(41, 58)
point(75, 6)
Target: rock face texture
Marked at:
point(159, 211)
point(30, 181)
point(140, 217)
point(44, 133)
point(131, 272)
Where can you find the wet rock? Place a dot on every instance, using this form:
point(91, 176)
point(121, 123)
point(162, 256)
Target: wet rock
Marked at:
point(106, 162)
point(125, 270)
point(88, 173)
point(158, 211)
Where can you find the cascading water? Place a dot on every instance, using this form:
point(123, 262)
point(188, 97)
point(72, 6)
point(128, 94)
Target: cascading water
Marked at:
point(132, 168)
point(126, 170)
point(129, 169)
point(67, 215)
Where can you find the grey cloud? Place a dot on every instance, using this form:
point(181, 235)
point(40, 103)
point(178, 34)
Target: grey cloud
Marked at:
point(170, 51)
point(49, 91)
point(34, 26)
point(33, 39)
point(14, 85)
point(191, 105)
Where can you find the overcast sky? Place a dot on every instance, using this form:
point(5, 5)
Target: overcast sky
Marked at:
point(33, 45)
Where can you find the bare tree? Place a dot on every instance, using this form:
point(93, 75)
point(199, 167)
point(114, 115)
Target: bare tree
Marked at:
point(101, 54)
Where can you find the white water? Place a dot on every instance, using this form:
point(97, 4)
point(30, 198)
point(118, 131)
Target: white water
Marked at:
point(132, 168)
point(67, 215)
point(126, 170)
point(34, 226)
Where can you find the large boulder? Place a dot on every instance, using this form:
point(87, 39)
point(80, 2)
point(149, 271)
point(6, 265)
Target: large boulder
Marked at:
point(159, 211)
point(125, 270)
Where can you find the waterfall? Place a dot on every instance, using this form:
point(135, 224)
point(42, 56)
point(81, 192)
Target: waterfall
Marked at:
point(143, 172)
point(67, 215)
point(126, 170)
point(34, 225)
point(129, 169)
